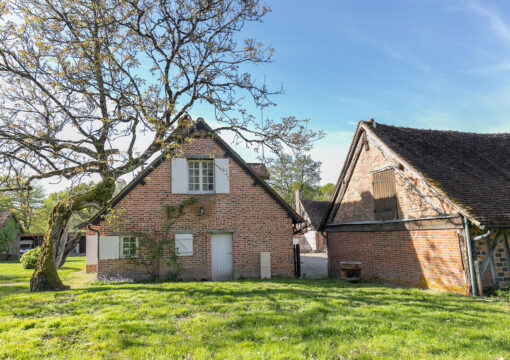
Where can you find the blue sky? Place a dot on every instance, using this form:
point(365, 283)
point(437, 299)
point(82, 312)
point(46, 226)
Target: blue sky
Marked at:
point(442, 64)
point(426, 64)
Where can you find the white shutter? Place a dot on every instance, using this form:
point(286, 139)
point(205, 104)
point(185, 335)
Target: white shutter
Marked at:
point(184, 244)
point(179, 176)
point(221, 176)
point(109, 247)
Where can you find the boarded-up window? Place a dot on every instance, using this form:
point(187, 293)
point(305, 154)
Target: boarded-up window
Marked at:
point(385, 196)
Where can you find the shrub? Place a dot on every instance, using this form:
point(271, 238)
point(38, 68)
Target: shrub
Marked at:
point(29, 259)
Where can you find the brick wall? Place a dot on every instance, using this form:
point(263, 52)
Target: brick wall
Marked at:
point(259, 223)
point(414, 198)
point(422, 258)
point(500, 262)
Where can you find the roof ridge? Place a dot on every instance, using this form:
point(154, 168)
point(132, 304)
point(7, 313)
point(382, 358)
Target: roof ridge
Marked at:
point(367, 123)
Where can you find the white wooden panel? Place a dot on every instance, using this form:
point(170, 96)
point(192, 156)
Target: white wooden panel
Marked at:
point(221, 257)
point(179, 176)
point(221, 176)
point(184, 244)
point(91, 250)
point(265, 265)
point(109, 247)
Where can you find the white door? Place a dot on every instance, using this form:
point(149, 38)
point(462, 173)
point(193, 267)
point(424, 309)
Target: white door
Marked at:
point(221, 257)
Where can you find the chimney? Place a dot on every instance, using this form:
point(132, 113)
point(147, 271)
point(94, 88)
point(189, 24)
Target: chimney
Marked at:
point(371, 122)
point(298, 200)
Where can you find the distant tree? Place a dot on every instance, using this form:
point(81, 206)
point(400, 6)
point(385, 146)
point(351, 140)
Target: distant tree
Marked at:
point(26, 203)
point(82, 80)
point(294, 172)
point(326, 192)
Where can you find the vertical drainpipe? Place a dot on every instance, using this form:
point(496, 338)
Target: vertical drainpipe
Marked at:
point(325, 234)
point(470, 256)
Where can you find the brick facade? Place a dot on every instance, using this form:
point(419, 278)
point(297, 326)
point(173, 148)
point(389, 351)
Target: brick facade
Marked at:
point(257, 221)
point(424, 258)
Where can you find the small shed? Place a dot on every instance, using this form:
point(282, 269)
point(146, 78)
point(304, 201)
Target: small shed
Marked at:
point(10, 231)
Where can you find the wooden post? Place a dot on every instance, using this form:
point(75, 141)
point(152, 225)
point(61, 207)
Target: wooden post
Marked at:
point(507, 250)
point(478, 278)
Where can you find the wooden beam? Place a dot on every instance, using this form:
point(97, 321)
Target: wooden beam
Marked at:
point(418, 224)
point(491, 262)
point(507, 250)
point(491, 247)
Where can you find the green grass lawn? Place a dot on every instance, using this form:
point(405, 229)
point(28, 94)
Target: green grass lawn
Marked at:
point(287, 319)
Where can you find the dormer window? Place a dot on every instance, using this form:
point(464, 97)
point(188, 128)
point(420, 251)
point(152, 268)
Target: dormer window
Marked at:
point(200, 175)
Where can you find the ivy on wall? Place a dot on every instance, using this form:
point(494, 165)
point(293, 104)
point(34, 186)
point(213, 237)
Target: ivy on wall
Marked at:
point(8, 233)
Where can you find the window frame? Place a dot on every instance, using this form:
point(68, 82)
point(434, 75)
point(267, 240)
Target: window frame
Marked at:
point(201, 182)
point(128, 256)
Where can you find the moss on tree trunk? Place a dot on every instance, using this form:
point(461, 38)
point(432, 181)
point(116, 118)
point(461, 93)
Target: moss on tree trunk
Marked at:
point(45, 276)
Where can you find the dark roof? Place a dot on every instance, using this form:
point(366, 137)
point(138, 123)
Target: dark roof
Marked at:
point(201, 126)
point(260, 169)
point(472, 169)
point(315, 210)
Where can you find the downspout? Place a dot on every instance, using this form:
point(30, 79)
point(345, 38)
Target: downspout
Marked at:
point(325, 234)
point(98, 234)
point(470, 256)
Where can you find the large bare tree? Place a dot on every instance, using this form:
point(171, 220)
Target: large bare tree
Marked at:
point(81, 81)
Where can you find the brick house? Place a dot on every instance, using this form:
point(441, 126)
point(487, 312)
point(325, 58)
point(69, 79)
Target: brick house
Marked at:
point(237, 226)
point(423, 208)
point(312, 212)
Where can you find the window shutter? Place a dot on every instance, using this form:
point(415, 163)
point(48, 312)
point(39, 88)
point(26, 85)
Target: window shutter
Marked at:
point(184, 244)
point(109, 247)
point(385, 195)
point(179, 176)
point(221, 176)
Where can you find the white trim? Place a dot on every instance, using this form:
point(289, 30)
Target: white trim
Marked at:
point(201, 176)
point(121, 249)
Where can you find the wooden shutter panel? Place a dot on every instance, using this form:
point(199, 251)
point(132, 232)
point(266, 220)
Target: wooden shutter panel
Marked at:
point(184, 244)
point(221, 176)
point(109, 247)
point(385, 195)
point(179, 176)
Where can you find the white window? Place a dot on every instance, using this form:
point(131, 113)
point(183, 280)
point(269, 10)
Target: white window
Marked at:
point(200, 175)
point(129, 246)
point(184, 244)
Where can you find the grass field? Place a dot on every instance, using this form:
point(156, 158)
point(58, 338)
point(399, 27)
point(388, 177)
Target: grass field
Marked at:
point(281, 319)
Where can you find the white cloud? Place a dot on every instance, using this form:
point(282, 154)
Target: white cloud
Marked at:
point(496, 21)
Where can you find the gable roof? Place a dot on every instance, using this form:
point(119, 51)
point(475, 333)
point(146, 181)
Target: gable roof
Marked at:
point(5, 216)
point(199, 125)
point(315, 210)
point(471, 169)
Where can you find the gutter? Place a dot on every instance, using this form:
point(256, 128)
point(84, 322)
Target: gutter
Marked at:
point(470, 256)
point(373, 222)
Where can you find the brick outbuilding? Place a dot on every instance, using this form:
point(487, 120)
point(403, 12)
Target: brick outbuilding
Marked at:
point(235, 226)
point(423, 208)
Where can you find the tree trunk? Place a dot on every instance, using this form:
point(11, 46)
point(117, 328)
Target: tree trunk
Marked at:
point(69, 248)
point(45, 276)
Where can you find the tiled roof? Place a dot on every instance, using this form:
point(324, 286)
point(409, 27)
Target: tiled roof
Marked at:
point(472, 169)
point(315, 210)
